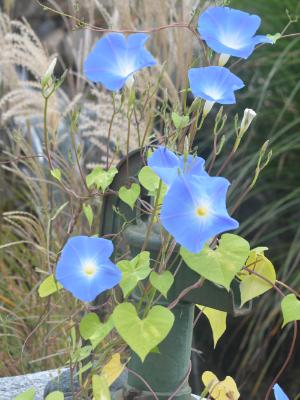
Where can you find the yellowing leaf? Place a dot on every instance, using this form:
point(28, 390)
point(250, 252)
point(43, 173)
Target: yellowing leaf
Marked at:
point(252, 285)
point(49, 286)
point(220, 390)
point(290, 307)
point(100, 388)
point(113, 369)
point(217, 320)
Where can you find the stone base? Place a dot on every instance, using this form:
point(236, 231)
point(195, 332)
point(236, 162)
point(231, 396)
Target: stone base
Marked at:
point(12, 386)
point(47, 381)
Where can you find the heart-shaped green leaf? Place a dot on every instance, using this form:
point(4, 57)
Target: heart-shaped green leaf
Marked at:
point(49, 286)
point(130, 196)
point(142, 335)
point(134, 271)
point(290, 307)
point(101, 178)
point(91, 328)
point(162, 282)
point(180, 121)
point(221, 265)
point(252, 285)
point(148, 179)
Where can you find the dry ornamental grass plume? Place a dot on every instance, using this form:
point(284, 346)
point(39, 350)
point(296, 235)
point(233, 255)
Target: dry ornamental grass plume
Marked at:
point(23, 62)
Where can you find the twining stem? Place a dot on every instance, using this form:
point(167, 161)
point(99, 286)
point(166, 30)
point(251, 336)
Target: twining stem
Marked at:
point(293, 344)
point(287, 360)
point(240, 199)
point(182, 383)
point(289, 288)
point(46, 136)
point(83, 24)
point(77, 158)
point(110, 131)
point(226, 162)
point(144, 381)
point(185, 291)
point(214, 155)
point(128, 141)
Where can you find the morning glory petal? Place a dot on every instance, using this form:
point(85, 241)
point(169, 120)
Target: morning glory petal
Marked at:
point(115, 58)
point(230, 31)
point(279, 393)
point(178, 221)
point(84, 267)
point(167, 165)
point(261, 39)
point(192, 165)
point(194, 210)
point(215, 84)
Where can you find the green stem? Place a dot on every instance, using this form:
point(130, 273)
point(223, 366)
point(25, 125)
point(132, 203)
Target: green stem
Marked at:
point(151, 223)
point(77, 158)
point(46, 136)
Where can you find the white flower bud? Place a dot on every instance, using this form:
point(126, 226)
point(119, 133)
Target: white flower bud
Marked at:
point(130, 81)
point(48, 74)
point(223, 59)
point(248, 117)
point(208, 105)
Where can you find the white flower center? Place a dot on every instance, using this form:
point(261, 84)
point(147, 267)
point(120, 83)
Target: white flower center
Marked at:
point(233, 42)
point(126, 68)
point(89, 268)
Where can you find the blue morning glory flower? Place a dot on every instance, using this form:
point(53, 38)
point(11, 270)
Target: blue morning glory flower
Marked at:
point(214, 84)
point(279, 393)
point(84, 267)
point(167, 165)
point(230, 31)
point(194, 210)
point(115, 58)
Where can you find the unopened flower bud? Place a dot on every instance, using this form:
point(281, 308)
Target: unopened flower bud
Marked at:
point(223, 59)
point(49, 73)
point(208, 105)
point(248, 117)
point(130, 81)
